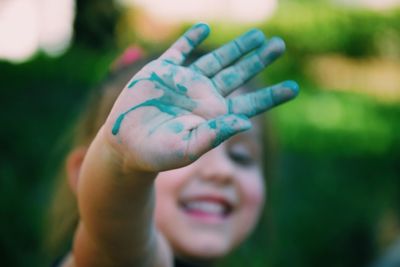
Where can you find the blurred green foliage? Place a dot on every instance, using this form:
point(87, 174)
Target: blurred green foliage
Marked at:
point(95, 23)
point(339, 159)
point(339, 172)
point(39, 100)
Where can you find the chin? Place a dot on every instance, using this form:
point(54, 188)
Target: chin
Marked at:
point(200, 258)
point(203, 249)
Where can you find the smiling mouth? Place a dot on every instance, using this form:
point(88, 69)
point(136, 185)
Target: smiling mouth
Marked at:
point(207, 210)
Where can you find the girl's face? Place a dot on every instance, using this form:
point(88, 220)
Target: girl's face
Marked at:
point(207, 208)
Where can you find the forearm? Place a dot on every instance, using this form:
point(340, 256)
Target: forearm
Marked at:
point(116, 209)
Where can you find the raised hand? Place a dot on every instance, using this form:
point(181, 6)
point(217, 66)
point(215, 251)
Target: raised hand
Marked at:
point(170, 114)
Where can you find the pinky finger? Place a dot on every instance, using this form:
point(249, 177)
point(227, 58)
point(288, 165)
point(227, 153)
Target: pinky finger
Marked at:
point(259, 101)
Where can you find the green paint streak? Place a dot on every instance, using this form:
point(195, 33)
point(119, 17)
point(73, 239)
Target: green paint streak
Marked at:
point(154, 77)
point(190, 42)
point(212, 124)
point(250, 40)
point(230, 79)
point(181, 89)
point(171, 110)
point(227, 129)
point(230, 106)
point(193, 157)
point(134, 82)
point(166, 103)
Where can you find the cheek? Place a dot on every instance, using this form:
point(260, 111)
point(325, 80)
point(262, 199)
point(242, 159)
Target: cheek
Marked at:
point(252, 196)
point(257, 198)
point(167, 187)
point(253, 190)
point(168, 183)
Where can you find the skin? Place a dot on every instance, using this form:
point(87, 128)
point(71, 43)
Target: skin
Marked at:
point(168, 116)
point(231, 171)
point(164, 92)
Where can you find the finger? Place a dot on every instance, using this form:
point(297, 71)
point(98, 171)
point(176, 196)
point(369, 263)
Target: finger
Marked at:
point(178, 52)
point(259, 101)
point(231, 78)
point(211, 133)
point(213, 62)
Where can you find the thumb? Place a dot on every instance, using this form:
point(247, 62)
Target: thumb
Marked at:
point(215, 131)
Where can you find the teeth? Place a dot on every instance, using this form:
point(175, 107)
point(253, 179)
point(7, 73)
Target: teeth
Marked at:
point(206, 206)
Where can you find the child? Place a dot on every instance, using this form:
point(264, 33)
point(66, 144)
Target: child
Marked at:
point(165, 175)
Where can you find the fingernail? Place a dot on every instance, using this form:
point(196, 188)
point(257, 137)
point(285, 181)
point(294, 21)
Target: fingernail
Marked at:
point(205, 26)
point(284, 91)
point(294, 86)
point(278, 43)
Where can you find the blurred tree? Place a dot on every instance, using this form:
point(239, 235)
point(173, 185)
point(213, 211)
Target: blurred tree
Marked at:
point(95, 23)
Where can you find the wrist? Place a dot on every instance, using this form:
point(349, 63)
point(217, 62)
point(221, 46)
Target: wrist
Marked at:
point(118, 157)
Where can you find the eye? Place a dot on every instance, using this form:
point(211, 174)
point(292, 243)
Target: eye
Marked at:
point(241, 155)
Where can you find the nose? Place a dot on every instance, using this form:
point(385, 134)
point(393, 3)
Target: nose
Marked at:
point(215, 166)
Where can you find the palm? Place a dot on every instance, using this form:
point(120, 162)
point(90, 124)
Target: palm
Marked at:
point(169, 115)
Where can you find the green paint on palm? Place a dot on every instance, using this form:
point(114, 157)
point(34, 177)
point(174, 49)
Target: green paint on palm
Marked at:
point(171, 110)
point(166, 103)
point(212, 124)
point(225, 129)
point(176, 127)
point(181, 89)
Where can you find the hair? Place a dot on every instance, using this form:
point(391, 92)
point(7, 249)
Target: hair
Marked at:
point(62, 217)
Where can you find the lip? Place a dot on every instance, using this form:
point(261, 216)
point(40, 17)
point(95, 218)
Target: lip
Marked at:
point(207, 208)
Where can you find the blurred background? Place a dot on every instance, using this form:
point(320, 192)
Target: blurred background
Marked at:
point(334, 199)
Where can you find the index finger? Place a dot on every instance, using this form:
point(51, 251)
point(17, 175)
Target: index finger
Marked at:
point(215, 61)
point(179, 50)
